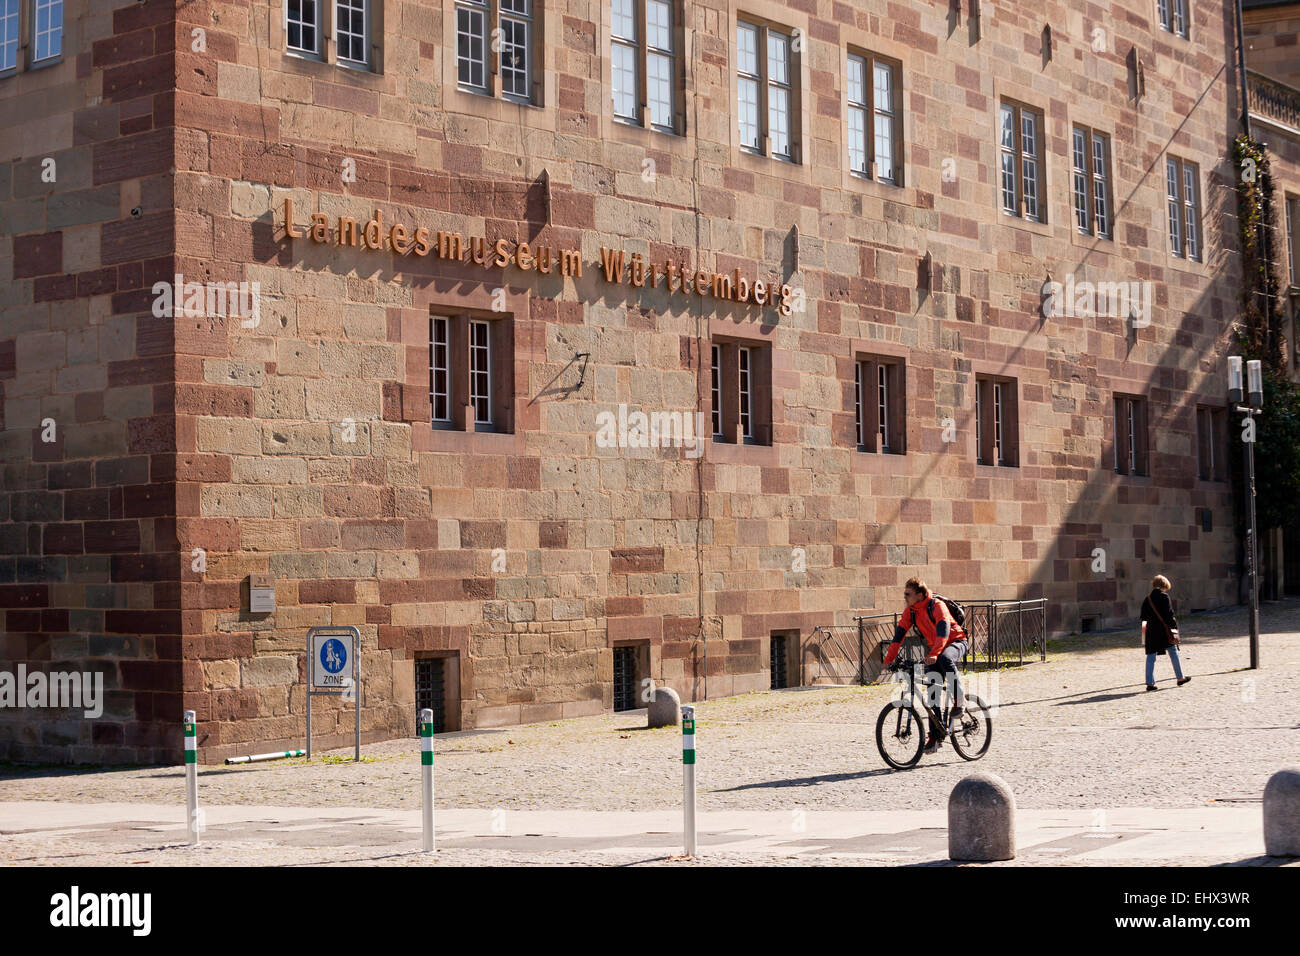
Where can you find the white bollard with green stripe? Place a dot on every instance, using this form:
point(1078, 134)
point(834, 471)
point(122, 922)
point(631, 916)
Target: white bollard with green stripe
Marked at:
point(426, 774)
point(688, 773)
point(191, 779)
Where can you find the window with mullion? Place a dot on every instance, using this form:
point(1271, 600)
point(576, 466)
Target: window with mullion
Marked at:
point(1184, 199)
point(716, 388)
point(645, 63)
point(871, 86)
point(352, 31)
point(746, 394)
point(1292, 229)
point(480, 372)
point(8, 35)
point(878, 405)
point(47, 30)
point(779, 98)
point(1019, 145)
point(767, 71)
point(516, 19)
point(440, 370)
point(1130, 435)
point(302, 26)
point(1090, 175)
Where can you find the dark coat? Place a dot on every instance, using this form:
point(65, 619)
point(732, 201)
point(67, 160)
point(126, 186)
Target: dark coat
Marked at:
point(1158, 612)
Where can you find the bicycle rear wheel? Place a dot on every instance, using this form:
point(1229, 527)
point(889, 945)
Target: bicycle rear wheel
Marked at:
point(973, 731)
point(900, 735)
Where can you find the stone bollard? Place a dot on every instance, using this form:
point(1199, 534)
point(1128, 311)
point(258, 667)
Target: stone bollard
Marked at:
point(1282, 813)
point(982, 819)
point(665, 708)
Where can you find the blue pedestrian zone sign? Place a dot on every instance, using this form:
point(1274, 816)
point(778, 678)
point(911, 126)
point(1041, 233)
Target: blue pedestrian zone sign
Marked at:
point(331, 665)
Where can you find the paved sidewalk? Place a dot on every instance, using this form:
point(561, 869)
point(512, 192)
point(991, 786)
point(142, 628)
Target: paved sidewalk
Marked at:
point(1077, 738)
point(115, 834)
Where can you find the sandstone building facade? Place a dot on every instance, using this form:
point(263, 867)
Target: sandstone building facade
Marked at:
point(810, 242)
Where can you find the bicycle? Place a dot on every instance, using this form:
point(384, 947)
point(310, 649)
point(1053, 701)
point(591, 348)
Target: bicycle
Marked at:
point(901, 726)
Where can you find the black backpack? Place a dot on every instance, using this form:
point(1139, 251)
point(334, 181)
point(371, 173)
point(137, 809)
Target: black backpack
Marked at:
point(956, 610)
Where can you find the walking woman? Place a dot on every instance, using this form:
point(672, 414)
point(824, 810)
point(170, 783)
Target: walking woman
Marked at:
point(1161, 630)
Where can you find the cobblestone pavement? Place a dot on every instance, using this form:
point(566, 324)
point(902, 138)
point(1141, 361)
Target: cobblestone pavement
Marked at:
point(1078, 732)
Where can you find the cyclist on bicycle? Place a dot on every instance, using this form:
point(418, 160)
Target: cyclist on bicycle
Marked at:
point(946, 642)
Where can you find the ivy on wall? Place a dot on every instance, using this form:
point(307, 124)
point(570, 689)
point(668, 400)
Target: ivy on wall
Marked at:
point(1260, 336)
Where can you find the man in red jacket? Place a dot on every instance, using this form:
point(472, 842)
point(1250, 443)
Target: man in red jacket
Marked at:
point(946, 641)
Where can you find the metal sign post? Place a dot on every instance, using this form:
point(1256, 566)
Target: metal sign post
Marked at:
point(327, 660)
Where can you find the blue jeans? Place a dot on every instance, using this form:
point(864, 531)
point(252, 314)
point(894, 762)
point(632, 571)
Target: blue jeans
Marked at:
point(1173, 659)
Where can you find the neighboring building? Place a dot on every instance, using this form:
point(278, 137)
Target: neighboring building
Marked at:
point(820, 235)
point(1272, 32)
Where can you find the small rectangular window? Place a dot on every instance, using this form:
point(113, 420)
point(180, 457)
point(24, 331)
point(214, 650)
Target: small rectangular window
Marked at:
point(440, 370)
point(741, 392)
point(878, 404)
point(8, 35)
point(352, 31)
point(471, 379)
point(1183, 195)
point(997, 417)
point(302, 26)
point(480, 372)
point(47, 30)
point(471, 44)
point(767, 71)
point(1019, 143)
point(1173, 16)
point(1210, 422)
point(1131, 435)
point(717, 391)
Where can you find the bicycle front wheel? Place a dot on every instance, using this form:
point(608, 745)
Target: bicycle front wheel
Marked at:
point(900, 735)
point(973, 731)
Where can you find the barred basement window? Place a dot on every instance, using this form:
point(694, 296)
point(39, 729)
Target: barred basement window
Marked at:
point(1210, 422)
point(1131, 435)
point(1184, 198)
point(352, 32)
point(471, 373)
point(1021, 134)
point(997, 421)
point(498, 60)
point(741, 391)
point(766, 69)
point(431, 690)
point(625, 678)
point(1091, 177)
point(879, 405)
point(875, 124)
point(302, 26)
point(8, 35)
point(1173, 16)
point(47, 30)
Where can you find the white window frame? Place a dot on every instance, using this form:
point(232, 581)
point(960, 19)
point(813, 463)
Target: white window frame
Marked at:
point(477, 374)
point(858, 405)
point(1183, 197)
point(882, 399)
point(11, 31)
point(54, 35)
point(1090, 182)
point(764, 83)
point(521, 14)
point(365, 63)
point(745, 359)
point(716, 388)
point(866, 114)
point(999, 449)
point(1172, 16)
point(440, 339)
point(481, 10)
point(317, 27)
point(1022, 161)
point(1292, 237)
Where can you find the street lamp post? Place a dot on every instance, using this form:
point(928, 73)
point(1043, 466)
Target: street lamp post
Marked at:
point(1254, 405)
